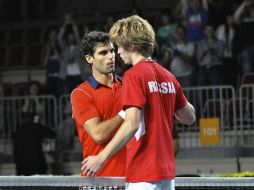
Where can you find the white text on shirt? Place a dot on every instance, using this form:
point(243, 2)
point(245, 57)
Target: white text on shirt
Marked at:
point(164, 87)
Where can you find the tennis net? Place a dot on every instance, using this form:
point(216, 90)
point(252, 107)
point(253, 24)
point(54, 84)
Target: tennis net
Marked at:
point(116, 183)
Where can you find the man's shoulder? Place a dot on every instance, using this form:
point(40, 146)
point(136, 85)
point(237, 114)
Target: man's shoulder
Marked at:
point(85, 84)
point(82, 88)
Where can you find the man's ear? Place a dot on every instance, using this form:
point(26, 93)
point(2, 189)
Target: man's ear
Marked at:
point(89, 59)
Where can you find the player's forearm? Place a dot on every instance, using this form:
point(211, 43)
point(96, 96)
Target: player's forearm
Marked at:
point(122, 137)
point(107, 129)
point(184, 56)
point(184, 4)
point(92, 164)
point(76, 33)
point(239, 11)
point(205, 4)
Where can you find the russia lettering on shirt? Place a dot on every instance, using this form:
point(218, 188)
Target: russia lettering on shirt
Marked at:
point(163, 87)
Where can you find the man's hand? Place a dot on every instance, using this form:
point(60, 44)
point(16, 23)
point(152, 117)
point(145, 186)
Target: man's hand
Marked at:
point(91, 165)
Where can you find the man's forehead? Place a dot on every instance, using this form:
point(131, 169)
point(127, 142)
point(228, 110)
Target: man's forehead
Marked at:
point(104, 46)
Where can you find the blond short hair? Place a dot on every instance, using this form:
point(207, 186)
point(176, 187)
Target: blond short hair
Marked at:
point(134, 33)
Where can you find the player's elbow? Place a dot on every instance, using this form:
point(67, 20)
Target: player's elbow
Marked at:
point(133, 124)
point(186, 119)
point(190, 119)
point(186, 115)
point(100, 139)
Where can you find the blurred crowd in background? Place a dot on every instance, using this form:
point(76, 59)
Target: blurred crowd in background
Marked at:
point(202, 42)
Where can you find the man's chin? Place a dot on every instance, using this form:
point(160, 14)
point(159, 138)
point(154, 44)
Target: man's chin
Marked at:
point(111, 71)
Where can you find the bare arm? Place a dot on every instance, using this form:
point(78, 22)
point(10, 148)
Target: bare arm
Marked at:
point(205, 4)
point(184, 56)
point(102, 131)
point(46, 56)
point(58, 54)
point(239, 11)
point(186, 115)
point(76, 32)
point(184, 4)
point(202, 50)
point(92, 164)
point(60, 36)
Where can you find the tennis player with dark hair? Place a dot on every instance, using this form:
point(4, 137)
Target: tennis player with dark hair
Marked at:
point(151, 98)
point(97, 102)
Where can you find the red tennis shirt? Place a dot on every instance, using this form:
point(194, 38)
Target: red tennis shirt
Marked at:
point(149, 86)
point(92, 99)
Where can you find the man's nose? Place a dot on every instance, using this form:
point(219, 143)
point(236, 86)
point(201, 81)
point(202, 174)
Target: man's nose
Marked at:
point(111, 55)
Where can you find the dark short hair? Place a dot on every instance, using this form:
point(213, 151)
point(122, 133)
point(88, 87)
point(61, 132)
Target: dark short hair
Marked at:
point(90, 41)
point(36, 83)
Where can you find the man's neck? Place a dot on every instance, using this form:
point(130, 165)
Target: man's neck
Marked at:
point(135, 58)
point(105, 79)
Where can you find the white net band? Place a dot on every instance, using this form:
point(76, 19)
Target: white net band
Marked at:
point(77, 181)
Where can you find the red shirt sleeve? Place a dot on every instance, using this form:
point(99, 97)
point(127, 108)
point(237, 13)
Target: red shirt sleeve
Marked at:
point(133, 92)
point(83, 107)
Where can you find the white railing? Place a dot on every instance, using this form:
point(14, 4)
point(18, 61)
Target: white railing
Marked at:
point(246, 107)
point(210, 102)
point(235, 116)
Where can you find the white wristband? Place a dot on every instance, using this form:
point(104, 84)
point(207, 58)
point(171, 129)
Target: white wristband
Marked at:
point(122, 114)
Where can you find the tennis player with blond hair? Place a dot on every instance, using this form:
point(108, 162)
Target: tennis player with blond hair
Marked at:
point(151, 98)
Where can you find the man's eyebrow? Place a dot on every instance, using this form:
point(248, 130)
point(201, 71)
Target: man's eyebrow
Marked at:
point(106, 50)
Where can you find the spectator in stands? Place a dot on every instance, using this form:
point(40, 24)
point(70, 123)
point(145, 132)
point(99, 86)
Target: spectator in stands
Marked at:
point(177, 11)
point(209, 54)
point(226, 33)
point(27, 148)
point(166, 58)
point(52, 60)
point(96, 102)
point(244, 17)
point(72, 69)
point(166, 30)
point(182, 64)
point(196, 16)
point(32, 105)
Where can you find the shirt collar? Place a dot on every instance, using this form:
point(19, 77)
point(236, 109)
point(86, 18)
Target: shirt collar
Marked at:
point(95, 84)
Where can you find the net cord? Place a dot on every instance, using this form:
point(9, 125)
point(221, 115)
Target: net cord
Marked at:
point(71, 181)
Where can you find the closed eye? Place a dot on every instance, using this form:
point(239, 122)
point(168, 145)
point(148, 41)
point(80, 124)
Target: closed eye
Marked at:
point(105, 52)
